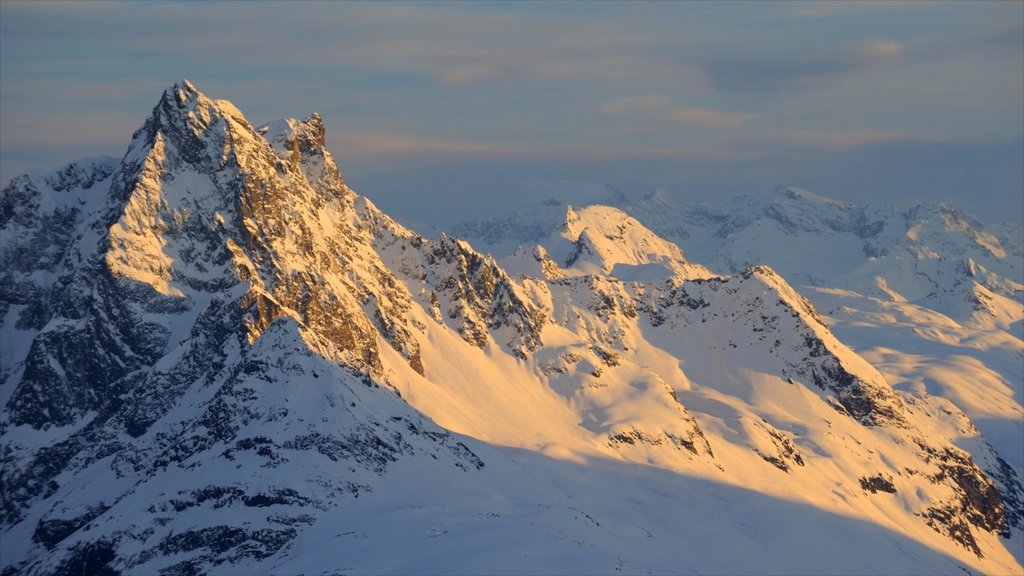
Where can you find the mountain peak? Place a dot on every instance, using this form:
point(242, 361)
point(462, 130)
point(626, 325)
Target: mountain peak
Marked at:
point(606, 240)
point(658, 195)
point(183, 105)
point(185, 85)
point(183, 91)
point(799, 194)
point(286, 132)
point(302, 145)
point(183, 96)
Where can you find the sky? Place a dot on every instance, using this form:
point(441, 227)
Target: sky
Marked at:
point(495, 105)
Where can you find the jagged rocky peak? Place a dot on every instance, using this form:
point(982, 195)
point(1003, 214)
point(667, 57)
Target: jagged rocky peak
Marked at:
point(183, 89)
point(188, 129)
point(570, 220)
point(201, 209)
point(301, 144)
point(180, 180)
point(189, 118)
point(185, 93)
point(198, 170)
point(187, 132)
point(287, 134)
point(548, 268)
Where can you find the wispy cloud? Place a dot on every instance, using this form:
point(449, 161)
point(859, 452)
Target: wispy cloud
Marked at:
point(848, 138)
point(823, 9)
point(503, 87)
point(458, 76)
point(447, 43)
point(703, 153)
point(31, 143)
point(661, 108)
point(786, 71)
point(67, 130)
point(879, 49)
point(81, 6)
point(356, 144)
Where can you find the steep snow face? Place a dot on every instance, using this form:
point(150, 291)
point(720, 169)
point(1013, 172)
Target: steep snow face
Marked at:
point(41, 218)
point(633, 360)
point(233, 363)
point(278, 438)
point(929, 293)
point(40, 215)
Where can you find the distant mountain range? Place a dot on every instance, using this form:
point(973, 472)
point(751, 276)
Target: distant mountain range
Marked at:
point(912, 289)
point(919, 254)
point(218, 358)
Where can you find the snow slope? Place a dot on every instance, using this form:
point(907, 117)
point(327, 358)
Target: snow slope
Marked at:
point(929, 294)
point(229, 362)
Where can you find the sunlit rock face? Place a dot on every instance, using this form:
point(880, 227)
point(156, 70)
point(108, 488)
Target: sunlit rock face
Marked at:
point(219, 358)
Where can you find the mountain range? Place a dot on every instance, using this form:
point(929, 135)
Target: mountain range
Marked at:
point(219, 359)
point(929, 293)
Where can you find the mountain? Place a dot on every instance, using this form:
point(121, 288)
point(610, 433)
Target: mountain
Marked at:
point(918, 254)
point(218, 358)
point(930, 294)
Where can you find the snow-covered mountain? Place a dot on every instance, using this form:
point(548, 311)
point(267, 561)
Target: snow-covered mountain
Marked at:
point(929, 294)
point(217, 358)
point(922, 254)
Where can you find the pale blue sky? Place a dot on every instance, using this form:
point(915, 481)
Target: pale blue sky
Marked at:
point(429, 102)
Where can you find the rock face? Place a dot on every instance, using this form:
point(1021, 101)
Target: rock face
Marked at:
point(206, 272)
point(216, 355)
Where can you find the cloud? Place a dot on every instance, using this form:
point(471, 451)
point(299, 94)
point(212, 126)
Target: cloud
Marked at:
point(703, 153)
point(33, 6)
point(661, 108)
point(823, 9)
point(381, 145)
point(878, 49)
point(848, 138)
point(448, 43)
point(458, 76)
point(356, 144)
point(1009, 40)
point(791, 71)
point(32, 143)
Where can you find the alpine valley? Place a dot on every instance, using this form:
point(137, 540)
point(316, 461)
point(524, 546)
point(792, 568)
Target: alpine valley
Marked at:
point(219, 359)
